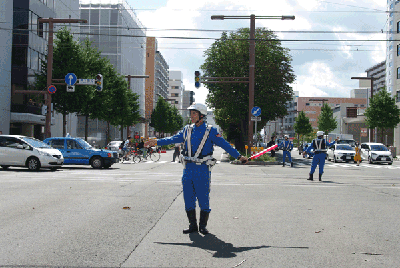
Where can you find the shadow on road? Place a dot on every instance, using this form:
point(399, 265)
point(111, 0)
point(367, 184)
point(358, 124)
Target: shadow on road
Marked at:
point(221, 249)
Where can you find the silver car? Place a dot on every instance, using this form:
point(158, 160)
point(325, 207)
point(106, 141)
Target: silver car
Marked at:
point(114, 146)
point(376, 153)
point(341, 152)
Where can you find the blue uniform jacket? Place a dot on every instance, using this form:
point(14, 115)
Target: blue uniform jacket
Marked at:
point(286, 144)
point(327, 145)
point(197, 135)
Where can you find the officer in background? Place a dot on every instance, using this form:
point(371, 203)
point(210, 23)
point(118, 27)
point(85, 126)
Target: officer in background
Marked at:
point(197, 160)
point(320, 146)
point(287, 147)
point(272, 143)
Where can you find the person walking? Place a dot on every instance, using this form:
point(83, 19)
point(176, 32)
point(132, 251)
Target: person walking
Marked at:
point(177, 151)
point(197, 160)
point(357, 156)
point(287, 147)
point(320, 146)
point(272, 143)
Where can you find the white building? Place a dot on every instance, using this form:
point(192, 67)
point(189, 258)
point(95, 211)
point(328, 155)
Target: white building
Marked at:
point(117, 32)
point(176, 88)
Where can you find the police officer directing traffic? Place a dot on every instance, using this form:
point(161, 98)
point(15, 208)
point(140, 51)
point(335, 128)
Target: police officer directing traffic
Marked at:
point(287, 147)
point(198, 140)
point(320, 146)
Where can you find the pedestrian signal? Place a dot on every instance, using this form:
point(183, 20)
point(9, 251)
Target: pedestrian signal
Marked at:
point(99, 82)
point(197, 79)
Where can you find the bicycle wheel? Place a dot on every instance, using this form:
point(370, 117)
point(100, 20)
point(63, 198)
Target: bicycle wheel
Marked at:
point(136, 158)
point(154, 156)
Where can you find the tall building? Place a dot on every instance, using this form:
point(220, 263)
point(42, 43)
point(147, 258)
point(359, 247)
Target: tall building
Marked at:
point(378, 73)
point(157, 83)
point(24, 41)
point(176, 88)
point(115, 30)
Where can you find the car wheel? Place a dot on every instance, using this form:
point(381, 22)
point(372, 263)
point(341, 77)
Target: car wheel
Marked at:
point(5, 167)
point(390, 163)
point(33, 164)
point(370, 160)
point(97, 162)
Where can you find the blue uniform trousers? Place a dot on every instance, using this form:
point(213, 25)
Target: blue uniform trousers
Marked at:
point(318, 159)
point(196, 184)
point(288, 154)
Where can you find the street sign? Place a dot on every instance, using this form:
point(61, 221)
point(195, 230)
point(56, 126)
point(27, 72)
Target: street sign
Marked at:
point(256, 111)
point(52, 89)
point(87, 82)
point(70, 88)
point(70, 79)
point(255, 118)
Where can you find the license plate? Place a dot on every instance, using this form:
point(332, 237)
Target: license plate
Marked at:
point(348, 157)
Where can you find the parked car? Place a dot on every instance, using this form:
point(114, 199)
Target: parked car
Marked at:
point(341, 152)
point(78, 152)
point(22, 151)
point(114, 146)
point(311, 154)
point(376, 153)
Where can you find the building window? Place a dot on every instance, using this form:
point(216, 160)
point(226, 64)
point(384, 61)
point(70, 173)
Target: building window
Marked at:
point(307, 104)
point(398, 72)
point(176, 102)
point(175, 95)
point(40, 28)
point(398, 96)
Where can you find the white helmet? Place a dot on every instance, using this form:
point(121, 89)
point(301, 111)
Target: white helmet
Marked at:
point(320, 133)
point(199, 107)
point(287, 136)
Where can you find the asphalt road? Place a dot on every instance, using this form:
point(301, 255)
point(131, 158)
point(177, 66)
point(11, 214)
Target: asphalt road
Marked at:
point(132, 215)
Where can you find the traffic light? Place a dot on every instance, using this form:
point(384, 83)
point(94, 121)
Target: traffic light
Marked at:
point(197, 79)
point(99, 82)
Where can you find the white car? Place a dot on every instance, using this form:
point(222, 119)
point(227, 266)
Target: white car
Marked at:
point(22, 151)
point(114, 146)
point(341, 152)
point(376, 153)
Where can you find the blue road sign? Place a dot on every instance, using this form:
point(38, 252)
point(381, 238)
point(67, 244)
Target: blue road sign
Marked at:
point(256, 111)
point(70, 79)
point(52, 89)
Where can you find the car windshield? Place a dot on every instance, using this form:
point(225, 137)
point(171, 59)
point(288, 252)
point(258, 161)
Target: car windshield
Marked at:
point(378, 148)
point(345, 147)
point(35, 143)
point(84, 144)
point(349, 142)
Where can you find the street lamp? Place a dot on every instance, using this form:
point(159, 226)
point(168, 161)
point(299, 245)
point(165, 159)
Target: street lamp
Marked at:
point(252, 62)
point(371, 131)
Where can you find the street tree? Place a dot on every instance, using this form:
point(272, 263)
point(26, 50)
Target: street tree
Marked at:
point(67, 58)
point(326, 122)
point(229, 57)
point(382, 112)
point(302, 125)
point(175, 120)
point(159, 116)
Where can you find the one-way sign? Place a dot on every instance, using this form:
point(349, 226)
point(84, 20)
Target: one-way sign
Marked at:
point(70, 79)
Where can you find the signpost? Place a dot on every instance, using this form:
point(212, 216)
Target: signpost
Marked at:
point(70, 79)
point(70, 88)
point(87, 82)
point(52, 89)
point(256, 112)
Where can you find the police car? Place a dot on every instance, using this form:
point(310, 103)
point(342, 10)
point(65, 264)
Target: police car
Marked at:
point(76, 151)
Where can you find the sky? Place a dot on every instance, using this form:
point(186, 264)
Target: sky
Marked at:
point(322, 68)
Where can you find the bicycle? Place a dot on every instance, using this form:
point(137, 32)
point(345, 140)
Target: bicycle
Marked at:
point(154, 155)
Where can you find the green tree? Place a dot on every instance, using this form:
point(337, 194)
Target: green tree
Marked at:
point(159, 116)
point(382, 112)
point(175, 120)
point(229, 57)
point(326, 122)
point(302, 125)
point(67, 58)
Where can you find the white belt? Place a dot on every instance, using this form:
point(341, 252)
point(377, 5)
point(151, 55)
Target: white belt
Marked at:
point(208, 160)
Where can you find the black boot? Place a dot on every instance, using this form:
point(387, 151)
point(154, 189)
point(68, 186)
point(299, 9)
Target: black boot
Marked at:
point(191, 214)
point(283, 164)
point(311, 177)
point(291, 164)
point(320, 176)
point(203, 222)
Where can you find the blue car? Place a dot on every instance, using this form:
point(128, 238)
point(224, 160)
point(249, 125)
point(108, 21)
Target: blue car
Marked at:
point(78, 152)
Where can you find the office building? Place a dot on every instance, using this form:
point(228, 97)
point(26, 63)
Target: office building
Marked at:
point(176, 88)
